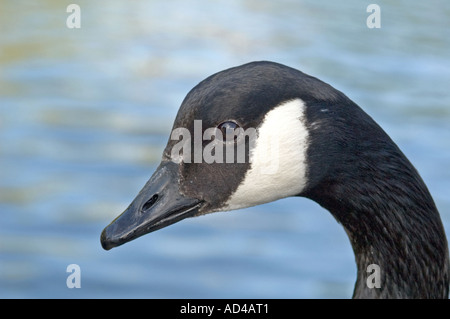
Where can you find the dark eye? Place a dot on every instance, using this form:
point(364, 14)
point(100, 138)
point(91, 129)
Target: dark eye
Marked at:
point(228, 130)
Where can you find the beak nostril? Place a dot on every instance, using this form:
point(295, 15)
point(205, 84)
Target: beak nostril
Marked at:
point(150, 202)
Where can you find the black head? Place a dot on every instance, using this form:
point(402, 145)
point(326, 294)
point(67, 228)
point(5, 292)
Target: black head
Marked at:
point(237, 100)
point(202, 173)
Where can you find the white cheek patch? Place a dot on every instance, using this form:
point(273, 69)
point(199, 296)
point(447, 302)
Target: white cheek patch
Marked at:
point(278, 158)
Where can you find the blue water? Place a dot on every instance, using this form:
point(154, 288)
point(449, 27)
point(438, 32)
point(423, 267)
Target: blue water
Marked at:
point(85, 114)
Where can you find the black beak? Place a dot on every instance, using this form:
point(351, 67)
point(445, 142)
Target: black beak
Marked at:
point(159, 204)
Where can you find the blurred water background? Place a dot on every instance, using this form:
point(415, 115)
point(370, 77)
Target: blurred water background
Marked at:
point(85, 114)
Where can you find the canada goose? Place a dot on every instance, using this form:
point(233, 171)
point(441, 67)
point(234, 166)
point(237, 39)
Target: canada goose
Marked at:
point(308, 140)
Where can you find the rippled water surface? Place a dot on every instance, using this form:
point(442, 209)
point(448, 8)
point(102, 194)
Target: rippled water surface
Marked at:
point(85, 114)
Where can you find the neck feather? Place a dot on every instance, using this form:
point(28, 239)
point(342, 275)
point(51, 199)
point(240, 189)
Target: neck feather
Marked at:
point(392, 222)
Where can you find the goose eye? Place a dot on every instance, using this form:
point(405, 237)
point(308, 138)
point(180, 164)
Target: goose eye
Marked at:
point(228, 130)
